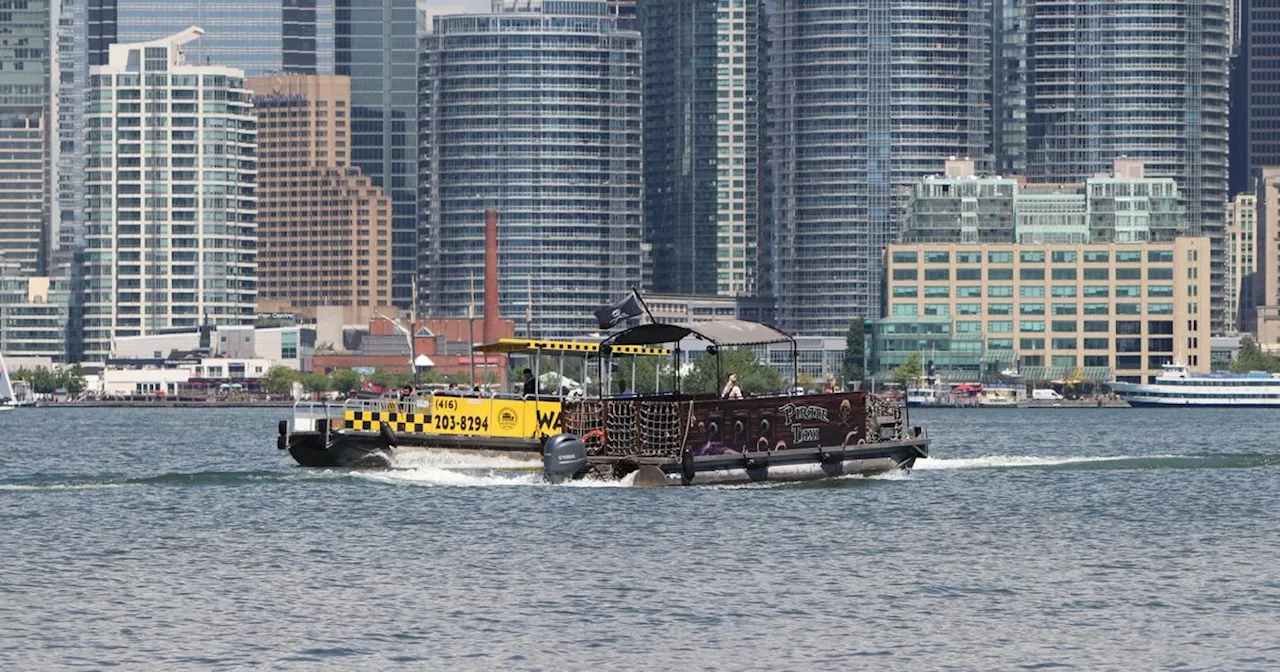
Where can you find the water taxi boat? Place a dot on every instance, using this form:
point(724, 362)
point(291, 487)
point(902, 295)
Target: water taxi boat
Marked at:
point(670, 438)
point(368, 433)
point(1177, 386)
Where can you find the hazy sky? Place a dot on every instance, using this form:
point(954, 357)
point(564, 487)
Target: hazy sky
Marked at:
point(434, 7)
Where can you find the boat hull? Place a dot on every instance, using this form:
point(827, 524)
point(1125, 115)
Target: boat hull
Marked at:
point(372, 450)
point(777, 466)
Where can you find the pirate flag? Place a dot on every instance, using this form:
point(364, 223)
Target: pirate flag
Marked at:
point(608, 317)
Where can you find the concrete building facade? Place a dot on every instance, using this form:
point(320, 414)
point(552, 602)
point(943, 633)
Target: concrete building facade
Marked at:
point(324, 230)
point(171, 213)
point(1242, 262)
point(537, 115)
point(1128, 307)
point(701, 143)
point(866, 98)
point(33, 315)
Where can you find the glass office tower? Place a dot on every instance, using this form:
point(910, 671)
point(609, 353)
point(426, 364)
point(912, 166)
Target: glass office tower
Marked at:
point(257, 36)
point(375, 44)
point(25, 135)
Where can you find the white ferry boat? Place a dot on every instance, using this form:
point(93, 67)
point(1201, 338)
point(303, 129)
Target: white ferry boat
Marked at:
point(1179, 387)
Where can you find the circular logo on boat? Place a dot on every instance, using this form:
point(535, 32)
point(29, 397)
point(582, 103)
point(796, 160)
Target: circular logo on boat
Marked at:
point(507, 419)
point(846, 413)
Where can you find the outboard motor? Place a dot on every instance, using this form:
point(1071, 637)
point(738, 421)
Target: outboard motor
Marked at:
point(564, 458)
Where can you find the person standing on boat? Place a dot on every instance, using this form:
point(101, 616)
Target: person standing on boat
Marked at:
point(530, 383)
point(731, 389)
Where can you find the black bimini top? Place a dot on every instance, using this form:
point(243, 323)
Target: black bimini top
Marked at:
point(718, 332)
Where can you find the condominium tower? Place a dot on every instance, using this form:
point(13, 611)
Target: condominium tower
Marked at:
point(170, 177)
point(866, 97)
point(1259, 90)
point(25, 135)
point(324, 230)
point(1107, 79)
point(701, 143)
point(1242, 262)
point(537, 114)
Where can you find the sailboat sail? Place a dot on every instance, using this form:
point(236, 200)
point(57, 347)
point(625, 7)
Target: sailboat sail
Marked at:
point(6, 387)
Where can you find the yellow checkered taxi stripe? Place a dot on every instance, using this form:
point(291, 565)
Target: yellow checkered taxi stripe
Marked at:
point(372, 421)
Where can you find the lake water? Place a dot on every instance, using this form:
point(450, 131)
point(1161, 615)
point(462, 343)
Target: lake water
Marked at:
point(1083, 538)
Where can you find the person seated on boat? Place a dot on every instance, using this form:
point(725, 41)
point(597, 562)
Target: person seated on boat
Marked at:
point(530, 383)
point(731, 389)
point(622, 389)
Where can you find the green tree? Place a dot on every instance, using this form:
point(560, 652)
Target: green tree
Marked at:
point(390, 379)
point(853, 369)
point(314, 382)
point(72, 380)
point(41, 380)
point(1252, 358)
point(753, 377)
point(279, 380)
point(909, 371)
point(345, 381)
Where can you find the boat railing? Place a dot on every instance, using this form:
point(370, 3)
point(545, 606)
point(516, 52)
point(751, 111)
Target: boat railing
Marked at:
point(307, 413)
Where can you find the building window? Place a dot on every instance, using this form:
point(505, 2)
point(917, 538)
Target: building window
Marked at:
point(1064, 274)
point(968, 309)
point(1160, 273)
point(968, 327)
point(1064, 326)
point(968, 257)
point(1000, 291)
point(1064, 257)
point(968, 292)
point(937, 292)
point(1097, 309)
point(1000, 327)
point(1128, 257)
point(1000, 257)
point(937, 257)
point(1064, 291)
point(1068, 361)
point(999, 308)
point(969, 274)
point(905, 274)
point(905, 309)
point(1064, 309)
point(905, 290)
point(1000, 344)
point(1031, 291)
point(1031, 257)
point(1160, 256)
point(1097, 344)
point(1031, 309)
point(1097, 360)
point(937, 274)
point(1031, 326)
point(1129, 362)
point(1097, 257)
point(1031, 273)
point(1097, 274)
point(904, 257)
point(1031, 344)
point(999, 274)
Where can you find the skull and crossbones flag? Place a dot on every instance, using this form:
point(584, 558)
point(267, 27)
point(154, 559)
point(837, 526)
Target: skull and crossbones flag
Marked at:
point(609, 316)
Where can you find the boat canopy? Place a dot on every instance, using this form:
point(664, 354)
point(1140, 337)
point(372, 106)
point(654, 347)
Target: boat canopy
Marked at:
point(508, 346)
point(718, 332)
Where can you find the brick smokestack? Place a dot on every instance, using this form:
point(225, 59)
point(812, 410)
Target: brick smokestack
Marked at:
point(491, 275)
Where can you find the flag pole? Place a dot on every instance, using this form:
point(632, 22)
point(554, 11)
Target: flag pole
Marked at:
point(643, 305)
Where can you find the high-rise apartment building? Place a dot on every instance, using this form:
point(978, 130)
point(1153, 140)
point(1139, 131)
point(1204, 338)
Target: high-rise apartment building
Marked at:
point(26, 123)
point(375, 44)
point(536, 113)
point(867, 97)
point(701, 144)
point(170, 175)
point(1267, 285)
point(257, 36)
point(1242, 262)
point(324, 230)
point(1107, 79)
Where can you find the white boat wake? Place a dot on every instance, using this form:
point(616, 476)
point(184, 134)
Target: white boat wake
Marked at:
point(1024, 461)
point(461, 470)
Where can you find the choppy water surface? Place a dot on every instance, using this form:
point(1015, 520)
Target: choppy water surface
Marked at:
point(1093, 539)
